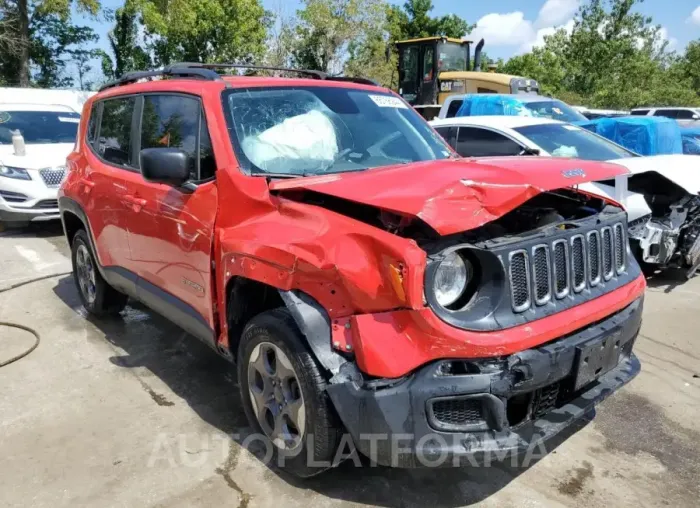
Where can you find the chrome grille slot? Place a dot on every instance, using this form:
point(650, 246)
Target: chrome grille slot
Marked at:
point(560, 268)
point(620, 247)
point(594, 258)
point(607, 247)
point(519, 280)
point(578, 263)
point(52, 177)
point(540, 268)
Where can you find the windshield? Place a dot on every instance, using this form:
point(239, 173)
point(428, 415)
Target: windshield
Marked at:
point(39, 126)
point(452, 57)
point(562, 140)
point(294, 131)
point(556, 110)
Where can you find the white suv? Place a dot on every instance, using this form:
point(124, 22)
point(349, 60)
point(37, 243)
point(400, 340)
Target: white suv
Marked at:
point(682, 115)
point(34, 142)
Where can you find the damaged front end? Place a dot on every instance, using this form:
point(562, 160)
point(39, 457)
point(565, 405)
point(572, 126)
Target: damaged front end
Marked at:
point(668, 235)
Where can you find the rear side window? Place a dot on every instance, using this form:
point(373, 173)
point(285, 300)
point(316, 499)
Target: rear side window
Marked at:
point(453, 108)
point(474, 142)
point(114, 144)
point(176, 121)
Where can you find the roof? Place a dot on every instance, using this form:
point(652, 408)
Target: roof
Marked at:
point(662, 108)
point(28, 106)
point(438, 38)
point(495, 122)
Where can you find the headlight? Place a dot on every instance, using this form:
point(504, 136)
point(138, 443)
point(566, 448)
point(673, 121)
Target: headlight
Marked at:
point(17, 173)
point(451, 279)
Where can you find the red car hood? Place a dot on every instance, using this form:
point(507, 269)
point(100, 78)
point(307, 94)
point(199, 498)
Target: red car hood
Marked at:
point(456, 195)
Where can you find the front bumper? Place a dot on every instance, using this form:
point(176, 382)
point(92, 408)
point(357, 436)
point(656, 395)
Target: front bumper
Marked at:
point(28, 200)
point(512, 405)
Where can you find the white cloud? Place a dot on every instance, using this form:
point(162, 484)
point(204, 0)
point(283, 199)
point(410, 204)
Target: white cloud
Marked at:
point(672, 41)
point(556, 12)
point(695, 16)
point(544, 32)
point(511, 29)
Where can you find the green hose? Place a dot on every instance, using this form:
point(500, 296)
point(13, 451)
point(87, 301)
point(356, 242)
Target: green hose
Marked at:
point(37, 338)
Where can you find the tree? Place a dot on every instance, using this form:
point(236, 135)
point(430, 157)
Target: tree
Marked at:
point(327, 27)
point(128, 55)
point(414, 21)
point(688, 65)
point(205, 30)
point(24, 21)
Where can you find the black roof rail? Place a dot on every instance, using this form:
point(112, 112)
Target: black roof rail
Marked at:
point(187, 72)
point(206, 72)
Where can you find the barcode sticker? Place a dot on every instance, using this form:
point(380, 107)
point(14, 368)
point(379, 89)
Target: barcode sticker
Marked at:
point(387, 101)
point(68, 119)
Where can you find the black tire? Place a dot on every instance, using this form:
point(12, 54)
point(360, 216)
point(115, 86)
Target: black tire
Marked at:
point(278, 328)
point(106, 301)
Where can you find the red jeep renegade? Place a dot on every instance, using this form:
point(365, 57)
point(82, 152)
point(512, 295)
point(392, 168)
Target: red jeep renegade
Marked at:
point(365, 280)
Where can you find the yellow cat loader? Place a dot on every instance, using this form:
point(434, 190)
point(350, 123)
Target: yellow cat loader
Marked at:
point(432, 68)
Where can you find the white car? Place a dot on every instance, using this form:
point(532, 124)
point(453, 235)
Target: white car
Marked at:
point(35, 140)
point(661, 194)
point(683, 115)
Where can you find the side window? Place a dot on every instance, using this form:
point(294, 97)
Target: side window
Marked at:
point(115, 131)
point(684, 114)
point(428, 57)
point(448, 134)
point(640, 112)
point(453, 108)
point(475, 142)
point(92, 125)
point(668, 113)
point(207, 164)
point(409, 65)
point(171, 121)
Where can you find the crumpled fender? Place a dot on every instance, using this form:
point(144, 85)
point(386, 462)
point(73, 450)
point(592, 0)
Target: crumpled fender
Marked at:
point(347, 266)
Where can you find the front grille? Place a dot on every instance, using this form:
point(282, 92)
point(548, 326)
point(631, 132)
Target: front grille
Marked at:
point(47, 204)
point(554, 269)
point(458, 412)
point(52, 177)
point(544, 400)
point(13, 197)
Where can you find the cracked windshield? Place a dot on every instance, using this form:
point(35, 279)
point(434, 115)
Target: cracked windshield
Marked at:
point(321, 130)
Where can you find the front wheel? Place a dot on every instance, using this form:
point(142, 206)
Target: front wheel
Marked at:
point(98, 297)
point(283, 394)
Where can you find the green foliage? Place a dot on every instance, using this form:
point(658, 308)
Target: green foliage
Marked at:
point(414, 21)
point(205, 30)
point(614, 58)
point(127, 54)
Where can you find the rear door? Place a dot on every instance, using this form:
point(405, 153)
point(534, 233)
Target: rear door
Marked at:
point(171, 229)
point(109, 172)
point(478, 142)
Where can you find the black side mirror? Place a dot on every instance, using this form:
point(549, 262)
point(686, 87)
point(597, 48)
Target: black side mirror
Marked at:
point(165, 165)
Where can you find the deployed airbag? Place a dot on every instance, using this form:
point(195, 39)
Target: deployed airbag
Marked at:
point(302, 143)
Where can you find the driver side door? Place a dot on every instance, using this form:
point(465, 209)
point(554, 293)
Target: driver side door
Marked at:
point(171, 229)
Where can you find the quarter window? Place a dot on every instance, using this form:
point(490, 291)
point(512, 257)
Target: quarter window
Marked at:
point(92, 124)
point(114, 144)
point(474, 142)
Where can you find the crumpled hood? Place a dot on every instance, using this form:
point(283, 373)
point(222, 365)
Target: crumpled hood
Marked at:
point(38, 156)
point(456, 195)
point(683, 170)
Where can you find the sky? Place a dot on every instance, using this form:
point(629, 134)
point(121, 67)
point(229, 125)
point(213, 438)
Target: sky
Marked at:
point(511, 27)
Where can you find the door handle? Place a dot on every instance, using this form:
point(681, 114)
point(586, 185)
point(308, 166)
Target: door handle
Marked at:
point(136, 203)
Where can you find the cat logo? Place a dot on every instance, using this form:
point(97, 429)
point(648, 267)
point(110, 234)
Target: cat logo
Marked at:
point(572, 173)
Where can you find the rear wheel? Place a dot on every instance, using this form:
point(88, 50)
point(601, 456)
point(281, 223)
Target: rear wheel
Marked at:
point(98, 297)
point(283, 393)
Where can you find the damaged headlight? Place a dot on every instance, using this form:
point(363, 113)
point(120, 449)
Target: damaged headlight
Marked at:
point(16, 173)
point(451, 279)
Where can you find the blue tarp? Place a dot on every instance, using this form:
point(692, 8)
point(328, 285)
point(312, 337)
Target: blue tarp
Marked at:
point(645, 135)
point(492, 104)
point(691, 140)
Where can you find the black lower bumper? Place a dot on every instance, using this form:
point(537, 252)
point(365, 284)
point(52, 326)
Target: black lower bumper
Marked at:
point(460, 412)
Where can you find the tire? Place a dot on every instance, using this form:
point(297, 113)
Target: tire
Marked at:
point(276, 331)
point(98, 297)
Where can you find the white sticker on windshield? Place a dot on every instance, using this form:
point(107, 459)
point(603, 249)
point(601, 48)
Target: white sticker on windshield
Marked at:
point(571, 128)
point(68, 119)
point(387, 101)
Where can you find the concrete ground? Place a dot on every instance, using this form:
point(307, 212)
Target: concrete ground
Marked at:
point(132, 412)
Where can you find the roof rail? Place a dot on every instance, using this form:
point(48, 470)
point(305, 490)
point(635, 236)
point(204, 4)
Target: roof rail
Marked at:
point(313, 73)
point(206, 71)
point(133, 77)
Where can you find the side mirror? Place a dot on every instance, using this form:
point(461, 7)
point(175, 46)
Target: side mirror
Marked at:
point(165, 165)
